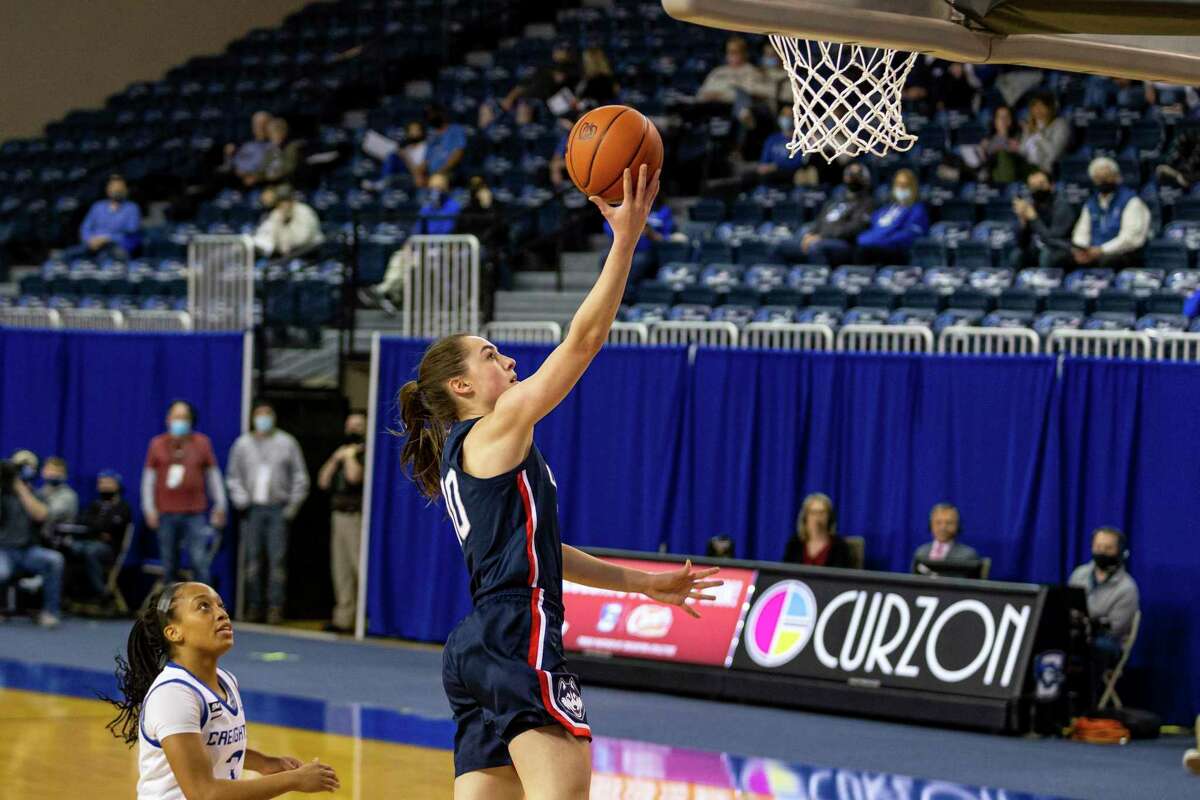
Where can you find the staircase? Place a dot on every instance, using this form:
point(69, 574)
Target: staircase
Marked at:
point(536, 296)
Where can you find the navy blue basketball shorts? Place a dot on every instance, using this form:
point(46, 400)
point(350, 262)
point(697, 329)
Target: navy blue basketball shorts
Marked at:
point(504, 673)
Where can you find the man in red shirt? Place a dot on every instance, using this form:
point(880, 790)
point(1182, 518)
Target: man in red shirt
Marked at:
point(181, 476)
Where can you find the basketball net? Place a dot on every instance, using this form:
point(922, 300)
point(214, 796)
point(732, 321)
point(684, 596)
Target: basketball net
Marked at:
point(846, 97)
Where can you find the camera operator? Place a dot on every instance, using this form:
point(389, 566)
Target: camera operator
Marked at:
point(20, 512)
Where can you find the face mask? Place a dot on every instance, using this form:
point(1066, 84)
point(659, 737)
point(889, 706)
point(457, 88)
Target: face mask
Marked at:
point(770, 62)
point(53, 482)
point(786, 124)
point(107, 496)
point(1106, 561)
point(854, 185)
point(1106, 187)
point(263, 423)
point(180, 427)
point(28, 473)
point(354, 438)
point(902, 194)
point(1043, 196)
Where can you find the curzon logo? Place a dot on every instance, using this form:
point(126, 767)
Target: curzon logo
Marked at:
point(781, 623)
point(587, 132)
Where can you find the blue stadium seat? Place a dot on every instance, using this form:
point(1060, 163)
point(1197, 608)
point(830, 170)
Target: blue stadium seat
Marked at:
point(742, 295)
point(1166, 254)
point(648, 312)
point(754, 251)
point(921, 297)
point(852, 278)
point(1194, 325)
point(912, 316)
point(737, 314)
point(1008, 318)
point(807, 277)
point(679, 274)
point(929, 252)
point(721, 277)
point(1182, 281)
point(1185, 231)
point(698, 296)
point(785, 296)
point(689, 312)
point(944, 280)
point(1112, 301)
point(973, 255)
point(958, 211)
point(1146, 137)
point(791, 213)
point(1049, 321)
point(746, 212)
point(1167, 323)
point(707, 210)
point(670, 250)
point(957, 318)
point(948, 233)
point(999, 235)
point(1187, 209)
point(829, 297)
point(1163, 302)
point(654, 292)
point(875, 297)
point(1040, 279)
point(821, 315)
point(967, 299)
point(776, 313)
point(1142, 281)
point(711, 251)
point(1090, 282)
point(866, 315)
point(1102, 136)
point(898, 279)
point(990, 280)
point(1110, 321)
point(1066, 300)
point(765, 276)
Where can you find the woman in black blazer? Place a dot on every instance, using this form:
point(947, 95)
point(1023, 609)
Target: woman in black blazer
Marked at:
point(816, 542)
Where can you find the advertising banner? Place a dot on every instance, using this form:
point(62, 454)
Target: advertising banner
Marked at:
point(957, 637)
point(633, 625)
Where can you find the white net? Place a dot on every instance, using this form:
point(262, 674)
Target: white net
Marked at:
point(846, 97)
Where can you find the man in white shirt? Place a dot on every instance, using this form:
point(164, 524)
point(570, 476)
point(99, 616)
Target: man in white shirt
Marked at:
point(736, 73)
point(290, 228)
point(1114, 223)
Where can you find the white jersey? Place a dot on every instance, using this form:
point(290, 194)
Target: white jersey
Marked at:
point(178, 702)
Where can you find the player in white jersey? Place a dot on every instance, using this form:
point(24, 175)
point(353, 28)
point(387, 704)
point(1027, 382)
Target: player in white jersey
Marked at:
point(186, 713)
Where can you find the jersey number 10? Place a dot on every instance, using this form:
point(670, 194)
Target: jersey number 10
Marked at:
point(454, 506)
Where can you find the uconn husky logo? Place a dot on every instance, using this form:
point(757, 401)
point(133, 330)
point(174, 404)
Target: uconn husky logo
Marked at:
point(569, 698)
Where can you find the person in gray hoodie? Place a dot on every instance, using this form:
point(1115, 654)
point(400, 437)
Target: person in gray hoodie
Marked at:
point(268, 481)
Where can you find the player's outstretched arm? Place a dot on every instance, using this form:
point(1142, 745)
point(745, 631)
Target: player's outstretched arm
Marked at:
point(673, 588)
point(536, 396)
point(190, 765)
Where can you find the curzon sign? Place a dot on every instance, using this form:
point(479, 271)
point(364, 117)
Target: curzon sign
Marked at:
point(876, 631)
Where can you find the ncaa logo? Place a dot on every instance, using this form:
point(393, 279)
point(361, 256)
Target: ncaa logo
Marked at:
point(587, 132)
point(781, 623)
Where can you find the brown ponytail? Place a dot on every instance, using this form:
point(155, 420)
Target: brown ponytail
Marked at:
point(427, 410)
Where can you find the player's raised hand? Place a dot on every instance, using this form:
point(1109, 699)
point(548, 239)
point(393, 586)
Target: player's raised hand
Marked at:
point(316, 777)
point(678, 586)
point(629, 218)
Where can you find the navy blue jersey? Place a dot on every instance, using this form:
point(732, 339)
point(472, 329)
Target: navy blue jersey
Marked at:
point(507, 525)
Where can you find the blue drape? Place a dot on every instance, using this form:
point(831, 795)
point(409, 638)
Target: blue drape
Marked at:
point(650, 449)
point(97, 399)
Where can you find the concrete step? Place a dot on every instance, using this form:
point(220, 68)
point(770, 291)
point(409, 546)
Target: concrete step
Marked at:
point(579, 281)
point(543, 297)
point(586, 261)
point(508, 316)
point(536, 280)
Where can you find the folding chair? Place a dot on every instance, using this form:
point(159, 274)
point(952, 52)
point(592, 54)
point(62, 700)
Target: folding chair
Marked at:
point(858, 548)
point(1113, 675)
point(985, 568)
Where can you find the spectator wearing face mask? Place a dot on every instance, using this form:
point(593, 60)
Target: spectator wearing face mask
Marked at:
point(20, 513)
point(831, 238)
point(444, 148)
point(895, 226)
point(1046, 223)
point(1113, 226)
point(1112, 598)
point(104, 520)
point(179, 480)
point(342, 476)
point(62, 503)
point(112, 226)
point(290, 228)
point(775, 164)
point(268, 481)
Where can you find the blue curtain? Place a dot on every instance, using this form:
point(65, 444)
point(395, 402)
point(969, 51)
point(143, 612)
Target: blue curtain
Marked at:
point(97, 399)
point(650, 449)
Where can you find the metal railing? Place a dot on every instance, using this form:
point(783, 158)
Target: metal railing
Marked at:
point(1171, 346)
point(885, 339)
point(709, 334)
point(440, 285)
point(966, 340)
point(30, 318)
point(221, 282)
point(1099, 344)
point(93, 319)
point(628, 333)
point(523, 332)
point(158, 321)
point(787, 336)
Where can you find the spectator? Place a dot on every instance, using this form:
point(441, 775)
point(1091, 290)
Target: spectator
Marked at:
point(342, 476)
point(1045, 135)
point(999, 155)
point(20, 510)
point(737, 73)
point(598, 87)
point(660, 224)
point(440, 212)
point(268, 481)
point(290, 228)
point(1181, 164)
point(246, 161)
point(1112, 599)
point(562, 72)
point(776, 164)
point(1114, 223)
point(444, 147)
point(943, 524)
point(105, 519)
point(720, 547)
point(831, 238)
point(282, 156)
point(955, 87)
point(816, 542)
point(777, 85)
point(408, 157)
point(1045, 225)
point(558, 159)
point(62, 504)
point(112, 225)
point(179, 480)
point(895, 226)
point(27, 463)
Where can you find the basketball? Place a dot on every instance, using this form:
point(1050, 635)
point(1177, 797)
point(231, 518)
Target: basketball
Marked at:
point(604, 142)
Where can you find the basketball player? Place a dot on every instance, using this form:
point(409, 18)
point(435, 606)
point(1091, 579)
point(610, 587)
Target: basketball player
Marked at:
point(186, 713)
point(522, 730)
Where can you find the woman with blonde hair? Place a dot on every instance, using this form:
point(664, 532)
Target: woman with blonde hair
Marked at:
point(816, 543)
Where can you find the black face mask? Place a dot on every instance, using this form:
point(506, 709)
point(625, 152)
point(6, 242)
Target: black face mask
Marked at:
point(1105, 561)
point(107, 496)
point(1043, 197)
point(855, 185)
point(1106, 187)
point(354, 438)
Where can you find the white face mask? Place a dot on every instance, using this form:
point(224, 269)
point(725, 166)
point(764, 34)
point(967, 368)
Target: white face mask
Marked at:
point(786, 124)
point(902, 194)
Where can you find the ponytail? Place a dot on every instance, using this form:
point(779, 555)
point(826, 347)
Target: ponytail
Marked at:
point(427, 409)
point(147, 653)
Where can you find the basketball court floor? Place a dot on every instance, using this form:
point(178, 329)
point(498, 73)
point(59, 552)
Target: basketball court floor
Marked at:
point(375, 711)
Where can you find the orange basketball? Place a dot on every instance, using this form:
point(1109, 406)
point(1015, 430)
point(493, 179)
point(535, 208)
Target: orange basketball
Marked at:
point(607, 140)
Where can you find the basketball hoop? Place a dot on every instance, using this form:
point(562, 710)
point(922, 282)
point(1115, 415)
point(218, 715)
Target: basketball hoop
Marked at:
point(846, 97)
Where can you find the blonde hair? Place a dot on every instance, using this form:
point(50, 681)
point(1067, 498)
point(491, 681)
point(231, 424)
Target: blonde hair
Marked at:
point(595, 63)
point(802, 517)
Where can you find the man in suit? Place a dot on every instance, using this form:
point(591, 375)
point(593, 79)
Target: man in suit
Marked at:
point(943, 524)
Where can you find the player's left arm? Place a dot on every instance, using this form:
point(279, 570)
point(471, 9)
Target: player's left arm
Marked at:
point(269, 765)
point(673, 587)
